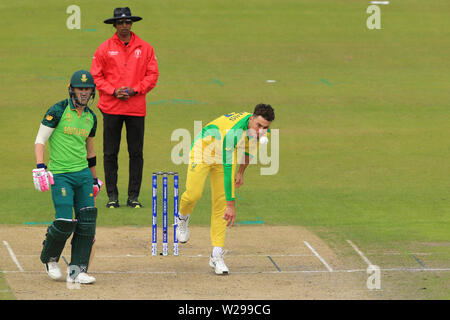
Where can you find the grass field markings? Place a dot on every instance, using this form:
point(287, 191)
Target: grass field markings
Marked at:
point(416, 269)
point(158, 102)
point(13, 256)
point(273, 262)
point(326, 82)
point(216, 81)
point(32, 223)
point(360, 253)
point(247, 222)
point(318, 256)
point(399, 253)
point(418, 261)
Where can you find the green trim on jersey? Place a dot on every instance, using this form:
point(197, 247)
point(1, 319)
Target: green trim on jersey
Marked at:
point(210, 130)
point(227, 154)
point(68, 141)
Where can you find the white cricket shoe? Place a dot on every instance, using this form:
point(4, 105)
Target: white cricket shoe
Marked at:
point(218, 264)
point(82, 278)
point(183, 233)
point(53, 270)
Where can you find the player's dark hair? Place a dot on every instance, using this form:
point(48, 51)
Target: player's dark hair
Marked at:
point(264, 110)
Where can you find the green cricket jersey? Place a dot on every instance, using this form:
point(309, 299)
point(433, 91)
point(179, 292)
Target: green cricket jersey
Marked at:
point(68, 141)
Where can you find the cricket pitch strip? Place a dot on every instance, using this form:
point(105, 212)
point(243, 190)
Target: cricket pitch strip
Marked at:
point(265, 262)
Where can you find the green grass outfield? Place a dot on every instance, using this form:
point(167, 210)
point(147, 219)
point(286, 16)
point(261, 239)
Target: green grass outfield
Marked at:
point(363, 114)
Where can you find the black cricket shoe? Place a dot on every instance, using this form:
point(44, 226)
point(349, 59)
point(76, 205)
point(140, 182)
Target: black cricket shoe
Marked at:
point(113, 203)
point(134, 203)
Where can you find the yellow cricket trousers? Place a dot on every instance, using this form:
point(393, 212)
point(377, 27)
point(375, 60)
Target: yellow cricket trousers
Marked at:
point(195, 182)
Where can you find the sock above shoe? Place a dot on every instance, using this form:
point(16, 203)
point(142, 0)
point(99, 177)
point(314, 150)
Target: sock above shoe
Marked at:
point(217, 251)
point(183, 217)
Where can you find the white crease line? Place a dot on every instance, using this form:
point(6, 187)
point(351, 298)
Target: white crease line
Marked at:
point(243, 255)
point(318, 256)
point(207, 256)
point(185, 256)
point(398, 254)
point(13, 256)
point(249, 272)
point(360, 253)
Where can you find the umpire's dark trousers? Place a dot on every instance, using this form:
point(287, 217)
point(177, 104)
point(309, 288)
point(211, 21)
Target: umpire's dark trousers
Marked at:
point(112, 133)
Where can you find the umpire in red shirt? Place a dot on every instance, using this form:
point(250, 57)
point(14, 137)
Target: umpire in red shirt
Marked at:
point(124, 69)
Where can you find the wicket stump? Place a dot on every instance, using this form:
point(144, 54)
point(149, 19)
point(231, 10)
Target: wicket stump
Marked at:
point(165, 212)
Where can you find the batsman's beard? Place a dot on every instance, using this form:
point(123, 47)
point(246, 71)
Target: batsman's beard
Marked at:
point(80, 104)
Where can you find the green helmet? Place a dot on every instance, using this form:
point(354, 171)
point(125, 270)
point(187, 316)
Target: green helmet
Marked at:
point(82, 79)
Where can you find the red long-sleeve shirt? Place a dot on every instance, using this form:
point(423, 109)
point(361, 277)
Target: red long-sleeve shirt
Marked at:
point(115, 65)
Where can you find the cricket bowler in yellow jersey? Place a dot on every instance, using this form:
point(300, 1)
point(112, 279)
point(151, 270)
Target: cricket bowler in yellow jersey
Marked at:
point(222, 144)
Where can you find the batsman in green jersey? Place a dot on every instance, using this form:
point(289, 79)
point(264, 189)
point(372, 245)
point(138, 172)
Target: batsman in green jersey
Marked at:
point(69, 127)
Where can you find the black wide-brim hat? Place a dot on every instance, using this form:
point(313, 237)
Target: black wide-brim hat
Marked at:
point(122, 13)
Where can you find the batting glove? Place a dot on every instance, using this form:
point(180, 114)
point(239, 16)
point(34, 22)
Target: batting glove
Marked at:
point(42, 178)
point(97, 186)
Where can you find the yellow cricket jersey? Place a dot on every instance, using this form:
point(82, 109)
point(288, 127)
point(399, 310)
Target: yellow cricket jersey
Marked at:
point(224, 141)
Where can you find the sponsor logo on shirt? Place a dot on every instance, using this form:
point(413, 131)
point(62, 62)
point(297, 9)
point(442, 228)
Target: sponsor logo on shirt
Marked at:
point(233, 116)
point(137, 53)
point(76, 131)
point(113, 53)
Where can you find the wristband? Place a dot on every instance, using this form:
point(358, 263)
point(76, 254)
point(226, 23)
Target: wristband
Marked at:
point(92, 162)
point(41, 165)
point(95, 180)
